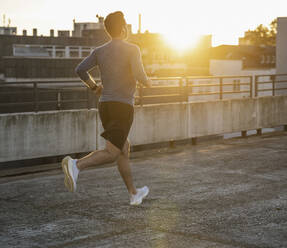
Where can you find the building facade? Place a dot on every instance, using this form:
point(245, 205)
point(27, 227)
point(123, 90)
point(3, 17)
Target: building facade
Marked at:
point(281, 42)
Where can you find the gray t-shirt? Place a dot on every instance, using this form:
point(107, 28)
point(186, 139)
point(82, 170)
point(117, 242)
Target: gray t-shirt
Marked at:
point(120, 65)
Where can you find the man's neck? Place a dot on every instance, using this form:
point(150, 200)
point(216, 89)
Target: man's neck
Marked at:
point(117, 38)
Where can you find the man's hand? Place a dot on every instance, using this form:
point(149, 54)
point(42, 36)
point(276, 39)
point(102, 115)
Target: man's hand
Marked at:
point(98, 90)
point(148, 83)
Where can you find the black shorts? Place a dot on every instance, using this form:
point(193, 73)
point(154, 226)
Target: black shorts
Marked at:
point(117, 119)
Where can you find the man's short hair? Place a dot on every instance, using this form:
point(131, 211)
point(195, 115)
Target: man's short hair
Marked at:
point(114, 23)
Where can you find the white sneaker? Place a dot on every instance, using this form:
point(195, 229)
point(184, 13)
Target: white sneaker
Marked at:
point(139, 196)
point(71, 175)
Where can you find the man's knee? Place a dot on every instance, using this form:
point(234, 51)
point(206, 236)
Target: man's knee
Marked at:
point(112, 155)
point(112, 152)
point(126, 149)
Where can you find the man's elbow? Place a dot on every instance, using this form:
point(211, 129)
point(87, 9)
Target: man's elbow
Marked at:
point(78, 70)
point(83, 74)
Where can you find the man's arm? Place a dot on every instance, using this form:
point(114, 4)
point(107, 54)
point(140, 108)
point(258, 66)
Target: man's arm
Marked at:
point(83, 70)
point(138, 69)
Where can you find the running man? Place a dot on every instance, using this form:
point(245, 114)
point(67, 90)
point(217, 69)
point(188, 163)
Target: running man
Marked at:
point(120, 65)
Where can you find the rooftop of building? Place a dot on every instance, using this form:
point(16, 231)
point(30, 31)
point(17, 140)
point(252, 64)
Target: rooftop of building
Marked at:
point(226, 193)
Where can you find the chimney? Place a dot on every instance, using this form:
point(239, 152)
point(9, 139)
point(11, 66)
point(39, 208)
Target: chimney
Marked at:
point(140, 23)
point(34, 31)
point(24, 32)
point(100, 18)
point(52, 32)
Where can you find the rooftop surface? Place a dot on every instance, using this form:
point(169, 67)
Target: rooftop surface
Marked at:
point(224, 193)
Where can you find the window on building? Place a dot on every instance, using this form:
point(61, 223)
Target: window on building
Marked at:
point(60, 54)
point(74, 54)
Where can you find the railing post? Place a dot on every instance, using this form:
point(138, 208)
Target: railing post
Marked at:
point(194, 141)
point(88, 99)
point(256, 86)
point(190, 88)
point(220, 88)
point(141, 95)
point(244, 134)
point(180, 90)
point(272, 77)
point(36, 104)
point(186, 89)
point(251, 86)
point(59, 100)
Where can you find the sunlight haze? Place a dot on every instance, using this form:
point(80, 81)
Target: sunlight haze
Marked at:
point(180, 21)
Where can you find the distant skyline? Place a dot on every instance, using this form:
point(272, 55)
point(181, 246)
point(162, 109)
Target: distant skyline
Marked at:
point(225, 20)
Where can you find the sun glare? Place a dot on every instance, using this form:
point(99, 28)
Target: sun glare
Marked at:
point(181, 41)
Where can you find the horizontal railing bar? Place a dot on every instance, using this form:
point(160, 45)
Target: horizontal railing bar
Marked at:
point(203, 85)
point(216, 77)
point(260, 90)
point(40, 90)
point(45, 81)
point(243, 84)
point(270, 89)
point(204, 93)
point(75, 101)
point(169, 95)
point(63, 101)
point(212, 85)
point(232, 84)
point(163, 86)
point(165, 78)
point(265, 82)
point(230, 92)
point(268, 75)
point(15, 103)
point(16, 92)
point(40, 82)
point(42, 102)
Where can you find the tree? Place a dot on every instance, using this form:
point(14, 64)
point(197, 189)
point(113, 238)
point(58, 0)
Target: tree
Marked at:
point(262, 35)
point(273, 31)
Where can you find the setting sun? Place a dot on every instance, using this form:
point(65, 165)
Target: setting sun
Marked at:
point(181, 41)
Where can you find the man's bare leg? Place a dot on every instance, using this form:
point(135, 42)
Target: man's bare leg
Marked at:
point(108, 155)
point(124, 168)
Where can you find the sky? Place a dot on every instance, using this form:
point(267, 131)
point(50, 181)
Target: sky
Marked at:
point(180, 20)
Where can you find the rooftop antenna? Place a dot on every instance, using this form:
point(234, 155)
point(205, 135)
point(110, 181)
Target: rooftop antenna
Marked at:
point(9, 22)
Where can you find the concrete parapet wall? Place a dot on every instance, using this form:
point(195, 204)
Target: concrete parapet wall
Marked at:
point(43, 134)
point(158, 123)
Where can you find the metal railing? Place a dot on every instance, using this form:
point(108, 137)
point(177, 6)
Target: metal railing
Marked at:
point(45, 95)
point(188, 88)
point(270, 84)
point(72, 94)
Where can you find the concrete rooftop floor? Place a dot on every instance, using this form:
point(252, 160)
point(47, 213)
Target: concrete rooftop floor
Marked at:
point(224, 193)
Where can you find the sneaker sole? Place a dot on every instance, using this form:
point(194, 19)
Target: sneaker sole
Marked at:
point(68, 179)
